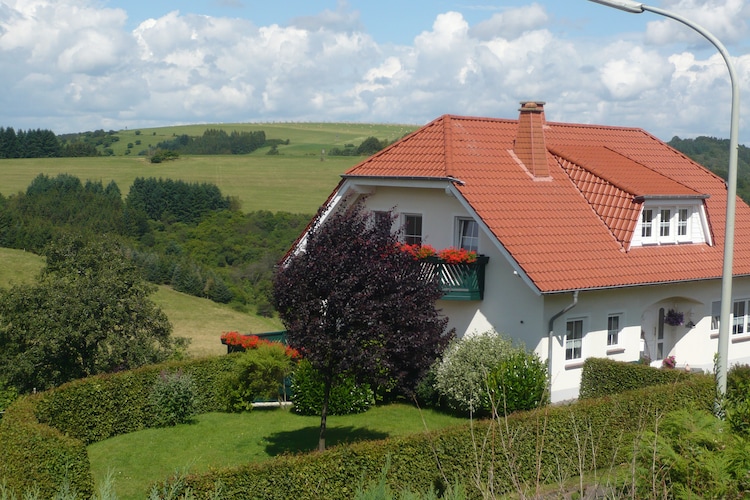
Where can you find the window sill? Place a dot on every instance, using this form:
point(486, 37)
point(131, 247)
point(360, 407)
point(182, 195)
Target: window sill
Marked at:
point(740, 338)
point(574, 364)
point(615, 350)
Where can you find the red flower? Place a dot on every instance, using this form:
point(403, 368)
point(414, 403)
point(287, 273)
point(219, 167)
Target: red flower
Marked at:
point(253, 341)
point(457, 256)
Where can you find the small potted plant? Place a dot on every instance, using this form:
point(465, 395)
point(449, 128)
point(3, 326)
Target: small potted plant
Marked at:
point(668, 362)
point(674, 318)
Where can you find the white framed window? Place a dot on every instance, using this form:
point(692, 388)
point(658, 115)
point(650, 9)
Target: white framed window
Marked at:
point(647, 224)
point(467, 234)
point(669, 224)
point(613, 329)
point(683, 216)
point(413, 229)
point(574, 339)
point(740, 316)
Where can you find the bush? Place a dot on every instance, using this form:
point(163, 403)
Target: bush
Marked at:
point(738, 399)
point(462, 372)
point(258, 376)
point(172, 398)
point(346, 396)
point(691, 454)
point(518, 382)
point(602, 377)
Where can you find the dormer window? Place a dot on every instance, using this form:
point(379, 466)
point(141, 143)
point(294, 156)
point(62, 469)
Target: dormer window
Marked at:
point(665, 222)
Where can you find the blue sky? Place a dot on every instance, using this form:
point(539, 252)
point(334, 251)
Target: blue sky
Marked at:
point(73, 65)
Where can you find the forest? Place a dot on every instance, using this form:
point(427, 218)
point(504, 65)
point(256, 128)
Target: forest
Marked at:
point(187, 235)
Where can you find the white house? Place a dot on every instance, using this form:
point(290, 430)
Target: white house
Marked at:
point(593, 235)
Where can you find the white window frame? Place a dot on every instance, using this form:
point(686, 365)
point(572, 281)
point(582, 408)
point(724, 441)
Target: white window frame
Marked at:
point(613, 336)
point(739, 316)
point(574, 343)
point(415, 238)
point(461, 239)
point(668, 223)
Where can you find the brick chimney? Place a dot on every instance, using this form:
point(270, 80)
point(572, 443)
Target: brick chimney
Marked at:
point(529, 145)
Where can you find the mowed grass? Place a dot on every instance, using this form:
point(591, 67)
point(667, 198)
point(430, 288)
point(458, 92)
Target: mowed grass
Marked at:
point(218, 440)
point(200, 320)
point(294, 181)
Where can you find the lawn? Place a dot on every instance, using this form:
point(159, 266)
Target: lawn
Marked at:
point(217, 440)
point(295, 180)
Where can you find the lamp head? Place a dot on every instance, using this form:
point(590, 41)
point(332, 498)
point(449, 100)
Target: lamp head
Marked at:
point(626, 5)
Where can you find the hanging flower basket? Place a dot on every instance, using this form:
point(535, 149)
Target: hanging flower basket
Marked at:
point(674, 318)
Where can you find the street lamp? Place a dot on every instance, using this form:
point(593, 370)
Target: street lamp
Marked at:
point(726, 277)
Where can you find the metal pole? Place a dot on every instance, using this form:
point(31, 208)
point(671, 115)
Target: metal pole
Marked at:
point(726, 276)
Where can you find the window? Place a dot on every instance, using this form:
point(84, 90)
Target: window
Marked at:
point(682, 221)
point(647, 218)
point(468, 234)
point(613, 329)
point(665, 221)
point(740, 316)
point(665, 225)
point(573, 339)
point(413, 229)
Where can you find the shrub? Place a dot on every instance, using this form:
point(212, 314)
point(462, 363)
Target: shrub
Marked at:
point(462, 372)
point(518, 382)
point(691, 454)
point(738, 399)
point(172, 398)
point(602, 377)
point(346, 396)
point(258, 375)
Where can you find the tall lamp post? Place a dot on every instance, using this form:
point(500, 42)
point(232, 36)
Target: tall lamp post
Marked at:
point(726, 277)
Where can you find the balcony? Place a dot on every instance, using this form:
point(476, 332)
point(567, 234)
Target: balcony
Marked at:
point(458, 281)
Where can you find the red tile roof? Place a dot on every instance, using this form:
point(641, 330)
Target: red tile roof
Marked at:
point(569, 226)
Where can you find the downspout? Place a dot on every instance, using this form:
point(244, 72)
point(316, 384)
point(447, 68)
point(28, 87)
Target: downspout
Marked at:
point(552, 332)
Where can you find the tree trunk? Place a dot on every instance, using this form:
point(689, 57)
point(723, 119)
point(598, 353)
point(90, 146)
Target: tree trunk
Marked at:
point(324, 414)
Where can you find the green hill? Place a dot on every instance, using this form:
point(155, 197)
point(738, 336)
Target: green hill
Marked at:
point(198, 319)
point(297, 180)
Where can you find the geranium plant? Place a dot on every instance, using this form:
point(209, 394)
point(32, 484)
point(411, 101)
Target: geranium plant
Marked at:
point(248, 342)
point(449, 255)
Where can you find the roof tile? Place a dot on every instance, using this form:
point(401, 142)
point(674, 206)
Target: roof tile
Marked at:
point(570, 231)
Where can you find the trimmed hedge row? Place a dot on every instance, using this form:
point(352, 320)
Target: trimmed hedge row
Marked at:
point(36, 457)
point(44, 436)
point(560, 439)
point(602, 377)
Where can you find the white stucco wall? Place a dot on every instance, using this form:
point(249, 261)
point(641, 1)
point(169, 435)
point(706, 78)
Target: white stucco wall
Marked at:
point(511, 306)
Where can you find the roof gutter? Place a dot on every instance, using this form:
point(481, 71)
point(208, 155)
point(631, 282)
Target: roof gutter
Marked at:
point(552, 333)
point(404, 178)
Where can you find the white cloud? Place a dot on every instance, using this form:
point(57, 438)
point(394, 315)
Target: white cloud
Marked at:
point(72, 65)
point(724, 19)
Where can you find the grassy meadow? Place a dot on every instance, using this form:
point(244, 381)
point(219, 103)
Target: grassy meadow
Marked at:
point(295, 180)
point(200, 320)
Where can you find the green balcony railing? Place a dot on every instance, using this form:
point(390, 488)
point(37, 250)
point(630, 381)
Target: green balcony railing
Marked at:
point(458, 281)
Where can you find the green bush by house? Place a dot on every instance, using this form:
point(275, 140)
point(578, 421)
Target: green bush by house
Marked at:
point(603, 377)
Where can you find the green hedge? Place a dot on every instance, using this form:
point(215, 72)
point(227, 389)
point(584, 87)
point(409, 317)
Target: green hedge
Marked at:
point(43, 437)
point(602, 377)
point(508, 451)
point(36, 457)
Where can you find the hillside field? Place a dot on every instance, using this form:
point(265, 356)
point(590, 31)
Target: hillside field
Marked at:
point(296, 180)
point(200, 320)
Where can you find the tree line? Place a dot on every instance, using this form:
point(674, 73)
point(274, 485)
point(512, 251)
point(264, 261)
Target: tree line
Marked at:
point(187, 235)
point(713, 154)
point(218, 142)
